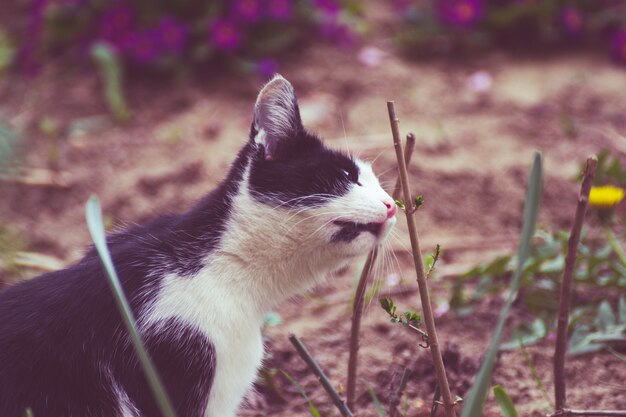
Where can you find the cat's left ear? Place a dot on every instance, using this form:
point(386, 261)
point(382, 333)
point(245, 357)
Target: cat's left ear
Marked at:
point(276, 116)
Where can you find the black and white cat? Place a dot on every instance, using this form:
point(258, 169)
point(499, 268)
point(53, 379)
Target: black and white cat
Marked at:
point(289, 212)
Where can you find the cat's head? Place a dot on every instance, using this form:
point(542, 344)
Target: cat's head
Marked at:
point(328, 201)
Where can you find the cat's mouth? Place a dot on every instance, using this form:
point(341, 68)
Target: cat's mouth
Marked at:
point(350, 230)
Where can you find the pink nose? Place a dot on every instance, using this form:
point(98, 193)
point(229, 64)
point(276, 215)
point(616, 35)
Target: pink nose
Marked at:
point(391, 208)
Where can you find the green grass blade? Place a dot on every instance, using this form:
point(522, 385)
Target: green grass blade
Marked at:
point(505, 402)
point(379, 406)
point(111, 72)
point(476, 398)
point(302, 392)
point(96, 229)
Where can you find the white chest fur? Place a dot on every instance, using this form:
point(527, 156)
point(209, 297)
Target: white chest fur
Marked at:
point(213, 306)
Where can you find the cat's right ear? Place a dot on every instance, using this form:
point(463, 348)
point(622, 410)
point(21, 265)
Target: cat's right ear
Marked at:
point(276, 116)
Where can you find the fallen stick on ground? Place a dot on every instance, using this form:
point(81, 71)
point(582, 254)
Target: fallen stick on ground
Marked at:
point(321, 376)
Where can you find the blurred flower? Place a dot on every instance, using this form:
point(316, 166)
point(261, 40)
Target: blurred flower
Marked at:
point(266, 67)
point(280, 9)
point(116, 23)
point(171, 35)
point(247, 10)
point(618, 46)
point(141, 46)
point(327, 6)
point(225, 34)
point(480, 82)
point(337, 32)
point(572, 20)
point(606, 196)
point(464, 13)
point(371, 56)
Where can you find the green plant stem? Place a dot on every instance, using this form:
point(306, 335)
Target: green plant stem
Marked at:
point(566, 286)
point(321, 376)
point(429, 318)
point(96, 229)
point(617, 248)
point(357, 307)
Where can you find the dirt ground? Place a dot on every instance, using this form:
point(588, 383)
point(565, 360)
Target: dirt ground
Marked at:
point(471, 162)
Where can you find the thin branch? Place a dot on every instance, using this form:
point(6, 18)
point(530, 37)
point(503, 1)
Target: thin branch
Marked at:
point(315, 368)
point(429, 318)
point(566, 286)
point(394, 398)
point(359, 297)
point(589, 413)
point(436, 397)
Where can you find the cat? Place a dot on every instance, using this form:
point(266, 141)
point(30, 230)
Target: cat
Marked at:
point(289, 213)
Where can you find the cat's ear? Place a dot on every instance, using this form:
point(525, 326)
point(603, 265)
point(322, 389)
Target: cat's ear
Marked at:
point(276, 116)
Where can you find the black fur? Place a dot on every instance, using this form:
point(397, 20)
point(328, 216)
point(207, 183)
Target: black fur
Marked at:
point(304, 173)
point(62, 337)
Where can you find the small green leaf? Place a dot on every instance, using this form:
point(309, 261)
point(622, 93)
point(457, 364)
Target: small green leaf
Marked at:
point(302, 392)
point(419, 201)
point(605, 317)
point(400, 204)
point(505, 402)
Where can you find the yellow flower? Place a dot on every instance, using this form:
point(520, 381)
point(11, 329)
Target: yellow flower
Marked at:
point(606, 196)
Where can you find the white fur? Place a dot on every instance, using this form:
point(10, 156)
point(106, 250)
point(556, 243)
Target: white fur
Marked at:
point(266, 255)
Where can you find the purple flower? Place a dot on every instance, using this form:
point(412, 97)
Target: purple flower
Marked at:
point(247, 10)
point(115, 26)
point(327, 6)
point(116, 21)
point(266, 67)
point(618, 46)
point(142, 47)
point(225, 34)
point(463, 13)
point(171, 35)
point(280, 9)
point(337, 32)
point(572, 21)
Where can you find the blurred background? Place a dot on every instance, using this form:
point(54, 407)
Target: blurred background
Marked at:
point(146, 103)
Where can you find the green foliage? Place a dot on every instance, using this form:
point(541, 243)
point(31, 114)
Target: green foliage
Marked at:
point(111, 73)
point(7, 51)
point(475, 400)
point(400, 204)
point(302, 392)
point(598, 266)
point(9, 143)
point(419, 201)
point(408, 318)
point(96, 229)
point(504, 401)
point(607, 331)
point(609, 170)
point(440, 28)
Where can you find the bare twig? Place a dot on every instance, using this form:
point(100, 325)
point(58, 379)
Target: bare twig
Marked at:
point(429, 318)
point(564, 412)
point(315, 368)
point(566, 286)
point(394, 398)
point(436, 397)
point(359, 297)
